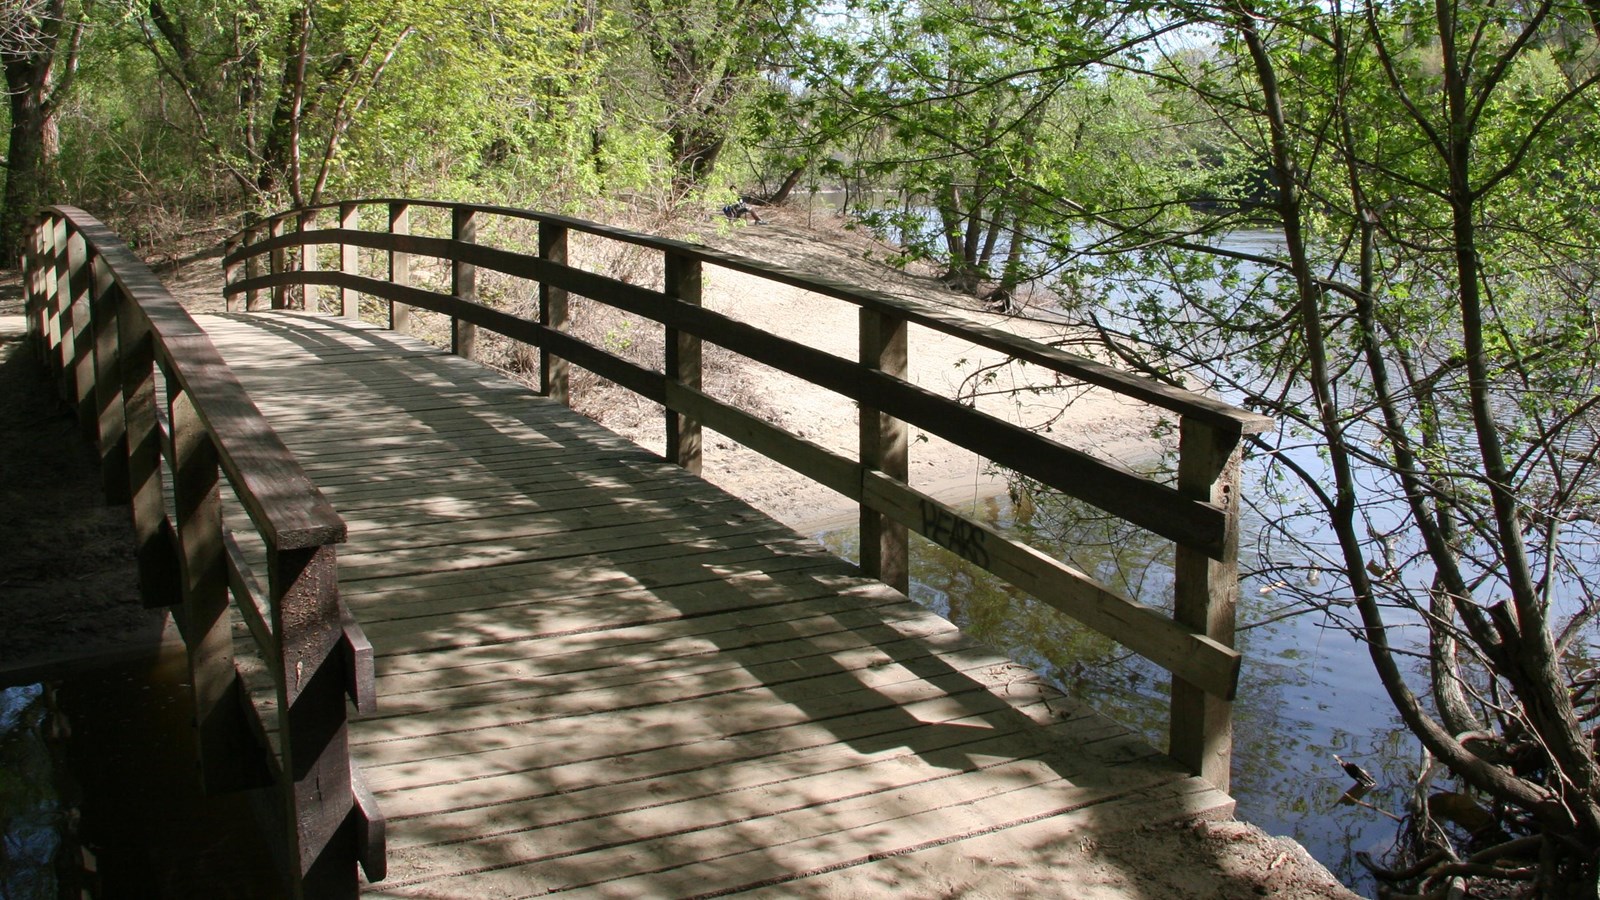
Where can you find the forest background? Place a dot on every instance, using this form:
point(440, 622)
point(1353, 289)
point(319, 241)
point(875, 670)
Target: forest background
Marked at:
point(1422, 324)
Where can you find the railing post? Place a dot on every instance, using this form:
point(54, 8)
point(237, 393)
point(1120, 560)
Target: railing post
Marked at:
point(230, 274)
point(311, 294)
point(349, 261)
point(252, 266)
point(312, 722)
point(110, 431)
point(553, 376)
point(37, 281)
point(80, 377)
point(279, 260)
point(203, 621)
point(1206, 595)
point(683, 283)
point(884, 447)
point(153, 537)
point(399, 266)
point(463, 282)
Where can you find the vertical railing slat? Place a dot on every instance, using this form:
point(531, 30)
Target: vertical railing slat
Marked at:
point(203, 618)
point(554, 379)
point(684, 282)
point(154, 543)
point(463, 282)
point(230, 274)
point(81, 376)
point(252, 266)
point(311, 294)
point(1206, 595)
point(278, 261)
point(349, 261)
point(884, 447)
point(313, 728)
point(399, 266)
point(110, 430)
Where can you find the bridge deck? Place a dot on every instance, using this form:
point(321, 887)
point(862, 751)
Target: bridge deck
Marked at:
point(599, 673)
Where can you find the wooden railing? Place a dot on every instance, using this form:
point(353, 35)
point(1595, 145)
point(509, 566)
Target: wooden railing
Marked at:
point(107, 327)
point(1200, 513)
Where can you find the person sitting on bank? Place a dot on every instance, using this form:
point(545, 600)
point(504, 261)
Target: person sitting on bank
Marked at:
point(739, 209)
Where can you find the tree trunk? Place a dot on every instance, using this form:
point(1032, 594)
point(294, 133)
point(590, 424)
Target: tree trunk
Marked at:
point(29, 60)
point(789, 182)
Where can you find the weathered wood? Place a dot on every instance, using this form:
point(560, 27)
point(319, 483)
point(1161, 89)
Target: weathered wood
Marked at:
point(278, 263)
point(399, 266)
point(883, 448)
point(219, 726)
point(1111, 487)
point(155, 545)
point(1206, 593)
point(110, 429)
point(1216, 412)
point(230, 271)
point(311, 297)
point(252, 267)
point(81, 281)
point(53, 233)
point(349, 260)
point(1200, 660)
point(668, 697)
point(684, 283)
point(554, 380)
point(314, 738)
point(463, 283)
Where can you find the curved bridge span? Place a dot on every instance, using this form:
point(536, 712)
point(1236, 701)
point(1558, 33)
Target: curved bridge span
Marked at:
point(491, 649)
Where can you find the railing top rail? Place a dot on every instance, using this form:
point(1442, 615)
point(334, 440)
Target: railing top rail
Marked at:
point(281, 499)
point(1209, 410)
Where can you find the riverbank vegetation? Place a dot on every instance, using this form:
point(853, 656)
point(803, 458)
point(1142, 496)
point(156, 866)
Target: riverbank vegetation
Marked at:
point(1418, 311)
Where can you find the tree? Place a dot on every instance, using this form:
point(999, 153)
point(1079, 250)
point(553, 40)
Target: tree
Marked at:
point(1424, 322)
point(39, 43)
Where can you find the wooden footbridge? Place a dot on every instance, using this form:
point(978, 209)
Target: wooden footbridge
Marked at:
point(542, 659)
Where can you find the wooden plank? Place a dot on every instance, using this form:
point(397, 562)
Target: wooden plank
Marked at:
point(399, 265)
point(884, 449)
point(1205, 662)
point(554, 377)
point(1219, 414)
point(349, 260)
point(463, 283)
point(600, 674)
point(1206, 592)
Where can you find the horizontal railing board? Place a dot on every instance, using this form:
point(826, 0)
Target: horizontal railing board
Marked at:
point(1212, 411)
point(1119, 491)
point(281, 500)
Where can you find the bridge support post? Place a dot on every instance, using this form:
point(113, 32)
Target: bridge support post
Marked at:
point(152, 531)
point(1206, 596)
point(110, 430)
point(80, 363)
point(310, 294)
point(884, 448)
point(252, 266)
point(684, 281)
point(278, 261)
point(463, 282)
point(318, 798)
point(399, 266)
point(41, 287)
point(219, 721)
point(349, 261)
point(553, 376)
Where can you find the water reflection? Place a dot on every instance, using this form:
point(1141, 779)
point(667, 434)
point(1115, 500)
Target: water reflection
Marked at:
point(1307, 690)
point(100, 795)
